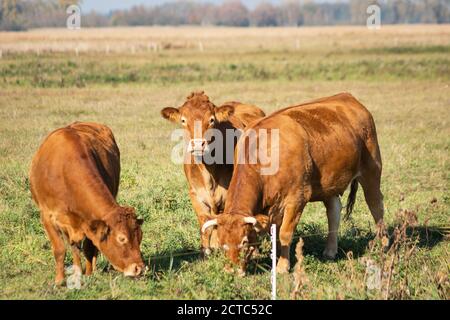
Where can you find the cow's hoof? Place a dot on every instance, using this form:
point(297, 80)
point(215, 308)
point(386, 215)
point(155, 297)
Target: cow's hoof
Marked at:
point(59, 282)
point(241, 273)
point(329, 254)
point(282, 267)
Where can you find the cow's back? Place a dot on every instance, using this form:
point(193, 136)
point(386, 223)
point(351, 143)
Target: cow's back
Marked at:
point(81, 151)
point(245, 113)
point(100, 140)
point(328, 116)
point(332, 132)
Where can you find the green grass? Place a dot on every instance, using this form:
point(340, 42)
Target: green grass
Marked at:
point(406, 92)
point(167, 67)
point(407, 50)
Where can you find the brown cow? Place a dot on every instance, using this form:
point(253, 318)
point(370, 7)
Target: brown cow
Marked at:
point(323, 146)
point(208, 182)
point(74, 180)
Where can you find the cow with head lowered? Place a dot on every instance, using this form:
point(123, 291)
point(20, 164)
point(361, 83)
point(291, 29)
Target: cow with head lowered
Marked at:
point(321, 148)
point(74, 180)
point(209, 180)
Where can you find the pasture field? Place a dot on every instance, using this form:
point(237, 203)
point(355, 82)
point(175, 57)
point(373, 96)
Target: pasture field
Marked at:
point(123, 77)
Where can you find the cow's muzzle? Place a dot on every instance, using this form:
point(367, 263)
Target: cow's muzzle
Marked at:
point(197, 146)
point(134, 270)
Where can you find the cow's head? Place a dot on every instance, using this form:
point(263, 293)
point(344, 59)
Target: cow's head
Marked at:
point(197, 115)
point(119, 237)
point(236, 235)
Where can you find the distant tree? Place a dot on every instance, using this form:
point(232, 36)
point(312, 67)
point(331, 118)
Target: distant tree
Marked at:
point(233, 13)
point(339, 12)
point(66, 3)
point(93, 19)
point(291, 13)
point(10, 16)
point(265, 14)
point(209, 14)
point(22, 14)
point(358, 10)
point(436, 11)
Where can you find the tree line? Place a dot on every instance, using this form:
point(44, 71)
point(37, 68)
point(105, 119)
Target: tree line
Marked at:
point(24, 14)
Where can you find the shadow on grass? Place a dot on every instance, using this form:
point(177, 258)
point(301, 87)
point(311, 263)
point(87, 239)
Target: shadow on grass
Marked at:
point(355, 240)
point(171, 261)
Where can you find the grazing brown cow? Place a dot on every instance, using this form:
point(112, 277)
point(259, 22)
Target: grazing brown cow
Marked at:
point(322, 146)
point(208, 182)
point(74, 180)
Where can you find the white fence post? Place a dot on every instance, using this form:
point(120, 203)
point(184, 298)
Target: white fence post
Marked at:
point(273, 233)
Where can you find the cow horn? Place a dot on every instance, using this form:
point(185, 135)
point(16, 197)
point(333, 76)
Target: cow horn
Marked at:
point(208, 224)
point(250, 220)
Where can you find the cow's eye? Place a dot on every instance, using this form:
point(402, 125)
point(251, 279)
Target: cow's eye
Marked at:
point(183, 121)
point(211, 121)
point(122, 239)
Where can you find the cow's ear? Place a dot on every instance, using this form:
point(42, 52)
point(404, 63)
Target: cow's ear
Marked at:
point(171, 114)
point(100, 229)
point(224, 112)
point(262, 223)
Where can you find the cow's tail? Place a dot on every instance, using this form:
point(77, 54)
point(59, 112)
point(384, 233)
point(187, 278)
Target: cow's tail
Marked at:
point(351, 199)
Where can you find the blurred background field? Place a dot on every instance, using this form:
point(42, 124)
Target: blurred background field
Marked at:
point(161, 55)
point(123, 77)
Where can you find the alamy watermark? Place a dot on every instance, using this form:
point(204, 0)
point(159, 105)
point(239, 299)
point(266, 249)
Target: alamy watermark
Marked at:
point(374, 19)
point(73, 21)
point(217, 147)
point(373, 275)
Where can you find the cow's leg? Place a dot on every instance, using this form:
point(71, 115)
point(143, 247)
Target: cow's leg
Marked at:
point(370, 178)
point(58, 246)
point(292, 214)
point(334, 207)
point(76, 255)
point(208, 239)
point(90, 252)
point(370, 182)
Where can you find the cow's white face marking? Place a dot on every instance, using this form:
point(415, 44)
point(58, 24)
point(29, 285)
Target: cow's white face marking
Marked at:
point(198, 147)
